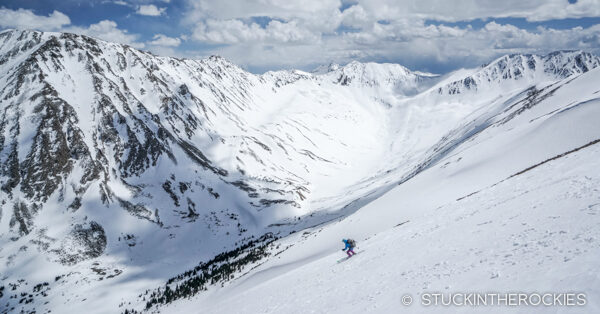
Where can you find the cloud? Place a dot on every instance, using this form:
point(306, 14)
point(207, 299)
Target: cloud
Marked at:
point(26, 19)
point(150, 10)
point(107, 30)
point(355, 17)
point(236, 31)
point(460, 10)
point(57, 21)
point(284, 9)
point(269, 34)
point(273, 34)
point(165, 41)
point(310, 16)
point(424, 47)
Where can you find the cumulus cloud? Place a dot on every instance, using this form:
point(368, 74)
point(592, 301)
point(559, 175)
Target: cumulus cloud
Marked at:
point(300, 34)
point(150, 10)
point(355, 17)
point(422, 44)
point(458, 10)
point(295, 17)
point(108, 30)
point(26, 19)
point(425, 47)
point(57, 21)
point(236, 31)
point(284, 9)
point(165, 41)
point(272, 34)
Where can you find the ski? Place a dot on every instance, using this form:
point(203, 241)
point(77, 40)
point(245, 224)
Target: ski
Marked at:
point(347, 257)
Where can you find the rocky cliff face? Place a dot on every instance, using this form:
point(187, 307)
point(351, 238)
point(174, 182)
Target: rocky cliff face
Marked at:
point(84, 119)
point(90, 124)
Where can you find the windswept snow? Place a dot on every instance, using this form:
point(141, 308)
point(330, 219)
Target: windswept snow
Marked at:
point(536, 232)
point(120, 170)
point(478, 221)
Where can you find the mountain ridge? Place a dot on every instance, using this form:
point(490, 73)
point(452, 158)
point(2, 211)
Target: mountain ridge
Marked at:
point(193, 158)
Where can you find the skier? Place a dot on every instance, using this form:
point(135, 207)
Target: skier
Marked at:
point(350, 244)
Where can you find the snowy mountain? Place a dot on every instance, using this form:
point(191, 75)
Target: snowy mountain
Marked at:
point(165, 177)
point(391, 77)
point(518, 69)
point(507, 203)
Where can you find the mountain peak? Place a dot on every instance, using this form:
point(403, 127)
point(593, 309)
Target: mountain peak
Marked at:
point(525, 67)
point(115, 162)
point(562, 62)
point(325, 68)
point(386, 76)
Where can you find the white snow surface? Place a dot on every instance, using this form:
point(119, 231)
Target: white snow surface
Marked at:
point(424, 171)
point(536, 233)
point(464, 225)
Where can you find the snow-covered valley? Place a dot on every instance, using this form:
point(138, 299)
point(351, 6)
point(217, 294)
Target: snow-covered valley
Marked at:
point(123, 172)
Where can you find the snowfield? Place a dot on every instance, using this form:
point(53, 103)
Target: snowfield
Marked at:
point(472, 223)
point(135, 183)
point(536, 232)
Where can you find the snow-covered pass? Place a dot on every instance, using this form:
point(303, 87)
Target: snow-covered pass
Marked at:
point(137, 183)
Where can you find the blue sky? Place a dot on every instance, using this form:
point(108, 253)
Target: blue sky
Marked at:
point(261, 35)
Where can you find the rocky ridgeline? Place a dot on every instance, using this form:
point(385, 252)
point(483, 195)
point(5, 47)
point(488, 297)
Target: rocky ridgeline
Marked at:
point(54, 147)
point(532, 68)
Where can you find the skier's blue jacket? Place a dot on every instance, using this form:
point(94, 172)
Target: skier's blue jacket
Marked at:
point(348, 246)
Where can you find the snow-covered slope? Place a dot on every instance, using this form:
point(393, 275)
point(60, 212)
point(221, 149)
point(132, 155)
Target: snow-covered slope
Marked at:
point(536, 232)
point(120, 170)
point(511, 207)
point(385, 77)
point(517, 70)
